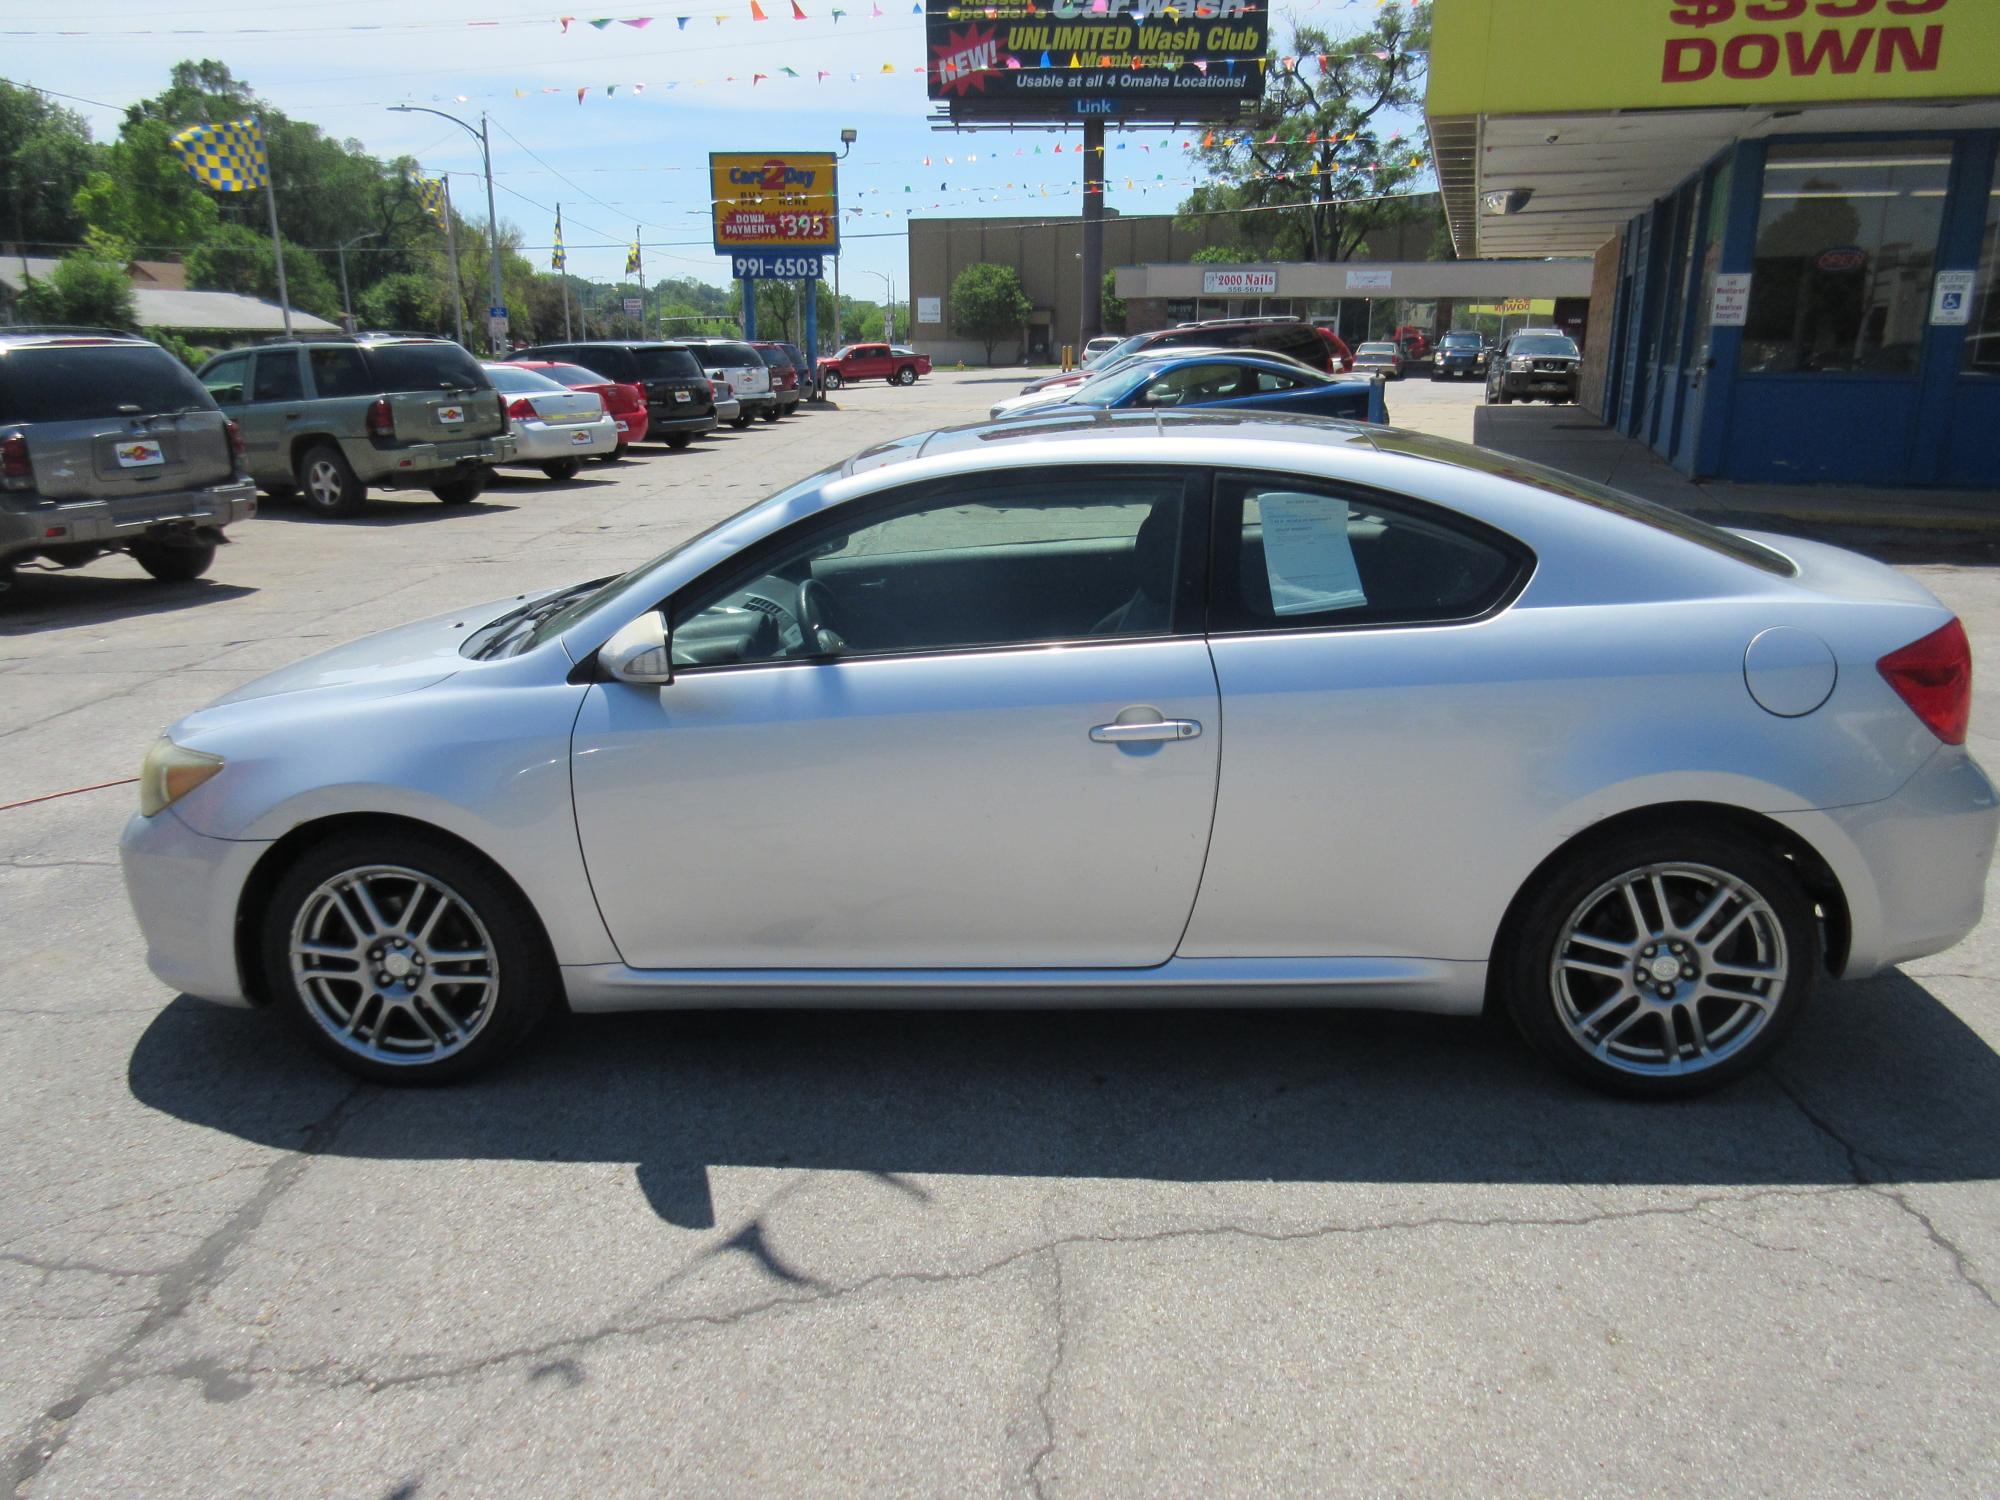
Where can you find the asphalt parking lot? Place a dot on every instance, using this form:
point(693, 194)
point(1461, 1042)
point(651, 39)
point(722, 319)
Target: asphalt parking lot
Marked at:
point(1161, 1254)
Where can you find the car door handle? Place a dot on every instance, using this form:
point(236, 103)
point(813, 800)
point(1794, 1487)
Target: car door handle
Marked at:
point(1159, 729)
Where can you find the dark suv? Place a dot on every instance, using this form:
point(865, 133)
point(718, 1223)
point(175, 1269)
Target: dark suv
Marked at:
point(1538, 364)
point(108, 444)
point(680, 402)
point(327, 418)
point(1293, 336)
point(1459, 354)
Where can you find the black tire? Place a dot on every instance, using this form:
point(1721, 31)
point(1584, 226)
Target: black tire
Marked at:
point(564, 468)
point(279, 491)
point(1584, 888)
point(461, 491)
point(614, 455)
point(679, 440)
point(741, 422)
point(831, 380)
point(907, 375)
point(770, 414)
point(327, 483)
point(525, 982)
point(172, 562)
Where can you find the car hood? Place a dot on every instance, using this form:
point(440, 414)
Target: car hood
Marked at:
point(389, 662)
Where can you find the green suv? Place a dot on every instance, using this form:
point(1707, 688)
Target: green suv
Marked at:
point(108, 444)
point(327, 418)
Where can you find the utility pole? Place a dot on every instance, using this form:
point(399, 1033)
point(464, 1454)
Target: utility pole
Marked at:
point(496, 309)
point(1091, 321)
point(347, 302)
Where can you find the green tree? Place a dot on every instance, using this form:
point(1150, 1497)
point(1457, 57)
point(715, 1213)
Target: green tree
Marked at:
point(88, 287)
point(48, 157)
point(1114, 305)
point(1320, 158)
point(236, 258)
point(1221, 255)
point(414, 301)
point(988, 303)
point(143, 194)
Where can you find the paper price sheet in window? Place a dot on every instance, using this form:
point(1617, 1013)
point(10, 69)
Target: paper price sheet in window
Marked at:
point(1307, 555)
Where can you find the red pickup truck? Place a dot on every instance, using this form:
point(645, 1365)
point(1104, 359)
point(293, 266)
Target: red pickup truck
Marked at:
point(888, 362)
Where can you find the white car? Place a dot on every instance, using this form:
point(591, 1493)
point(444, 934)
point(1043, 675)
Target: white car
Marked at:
point(1150, 708)
point(554, 427)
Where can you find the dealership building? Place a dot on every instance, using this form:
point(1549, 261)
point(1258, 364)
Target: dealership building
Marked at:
point(1791, 206)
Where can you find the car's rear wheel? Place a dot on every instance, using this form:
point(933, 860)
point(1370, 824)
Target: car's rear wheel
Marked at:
point(563, 468)
point(327, 483)
point(1661, 965)
point(770, 414)
point(405, 959)
point(174, 562)
point(461, 491)
point(613, 456)
point(741, 422)
point(679, 440)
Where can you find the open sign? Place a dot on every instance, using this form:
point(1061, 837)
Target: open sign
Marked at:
point(1842, 258)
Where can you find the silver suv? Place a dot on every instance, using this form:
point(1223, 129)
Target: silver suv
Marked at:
point(743, 368)
point(327, 418)
point(108, 444)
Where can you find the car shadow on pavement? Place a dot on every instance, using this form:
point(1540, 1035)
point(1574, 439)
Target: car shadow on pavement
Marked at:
point(386, 510)
point(38, 598)
point(1881, 1083)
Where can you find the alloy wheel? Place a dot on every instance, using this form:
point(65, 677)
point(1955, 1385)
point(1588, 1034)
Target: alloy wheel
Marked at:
point(324, 484)
point(394, 965)
point(1669, 969)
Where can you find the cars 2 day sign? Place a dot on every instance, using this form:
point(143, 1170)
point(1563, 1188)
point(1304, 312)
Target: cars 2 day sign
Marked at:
point(771, 200)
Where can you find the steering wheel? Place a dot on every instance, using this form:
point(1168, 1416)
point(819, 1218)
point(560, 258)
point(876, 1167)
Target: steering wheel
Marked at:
point(816, 613)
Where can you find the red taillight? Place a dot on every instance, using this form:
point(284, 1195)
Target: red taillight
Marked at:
point(626, 397)
point(520, 408)
point(1934, 676)
point(235, 437)
point(14, 457)
point(381, 421)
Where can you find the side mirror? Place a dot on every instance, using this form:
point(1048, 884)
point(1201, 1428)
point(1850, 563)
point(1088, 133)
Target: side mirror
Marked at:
point(638, 652)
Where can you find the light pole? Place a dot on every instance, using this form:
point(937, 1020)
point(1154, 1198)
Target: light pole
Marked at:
point(492, 218)
point(889, 310)
point(347, 302)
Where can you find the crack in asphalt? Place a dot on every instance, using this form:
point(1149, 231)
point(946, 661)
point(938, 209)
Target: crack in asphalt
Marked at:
point(1858, 1166)
point(330, 1372)
point(1047, 1392)
point(180, 1284)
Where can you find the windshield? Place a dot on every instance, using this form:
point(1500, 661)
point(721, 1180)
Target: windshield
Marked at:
point(775, 358)
point(76, 382)
point(667, 364)
point(738, 356)
point(424, 367)
point(1461, 341)
point(1376, 349)
point(1114, 386)
point(520, 382)
point(1542, 343)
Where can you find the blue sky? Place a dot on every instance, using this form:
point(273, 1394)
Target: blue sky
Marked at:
point(637, 156)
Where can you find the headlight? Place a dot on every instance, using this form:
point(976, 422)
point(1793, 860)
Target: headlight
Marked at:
point(1520, 364)
point(170, 773)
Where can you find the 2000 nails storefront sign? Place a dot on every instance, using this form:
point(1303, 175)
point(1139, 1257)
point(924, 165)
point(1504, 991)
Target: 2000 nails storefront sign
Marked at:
point(1123, 59)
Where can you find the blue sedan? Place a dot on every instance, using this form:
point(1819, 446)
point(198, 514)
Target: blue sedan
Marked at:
point(1246, 382)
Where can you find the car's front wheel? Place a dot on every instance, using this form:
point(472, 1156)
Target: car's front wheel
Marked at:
point(1661, 965)
point(831, 380)
point(405, 959)
point(174, 562)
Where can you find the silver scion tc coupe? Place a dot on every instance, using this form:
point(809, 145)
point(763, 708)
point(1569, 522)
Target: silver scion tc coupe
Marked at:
point(1110, 709)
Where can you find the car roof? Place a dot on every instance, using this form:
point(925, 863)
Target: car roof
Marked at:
point(33, 335)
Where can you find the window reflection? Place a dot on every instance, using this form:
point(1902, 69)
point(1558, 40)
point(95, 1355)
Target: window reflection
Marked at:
point(1982, 339)
point(1846, 238)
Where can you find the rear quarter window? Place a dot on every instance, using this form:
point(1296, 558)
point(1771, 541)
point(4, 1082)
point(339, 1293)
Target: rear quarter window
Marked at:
point(90, 382)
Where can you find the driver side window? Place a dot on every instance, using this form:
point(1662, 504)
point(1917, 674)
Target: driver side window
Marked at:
point(956, 565)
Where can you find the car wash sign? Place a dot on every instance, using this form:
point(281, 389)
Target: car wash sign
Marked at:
point(1557, 56)
point(1038, 60)
point(772, 205)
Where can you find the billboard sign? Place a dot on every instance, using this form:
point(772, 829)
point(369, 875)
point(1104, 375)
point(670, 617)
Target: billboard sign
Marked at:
point(780, 201)
point(1033, 60)
point(1239, 283)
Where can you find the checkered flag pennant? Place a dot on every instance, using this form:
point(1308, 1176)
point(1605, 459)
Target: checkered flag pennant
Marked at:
point(557, 260)
point(430, 193)
point(228, 157)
